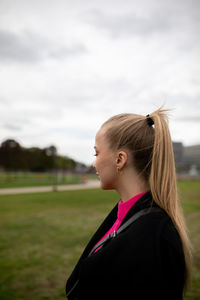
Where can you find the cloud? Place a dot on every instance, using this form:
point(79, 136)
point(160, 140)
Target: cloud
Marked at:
point(128, 24)
point(30, 47)
point(189, 119)
point(12, 127)
point(178, 18)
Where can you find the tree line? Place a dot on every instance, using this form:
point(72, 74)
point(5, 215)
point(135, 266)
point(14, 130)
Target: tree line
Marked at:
point(14, 157)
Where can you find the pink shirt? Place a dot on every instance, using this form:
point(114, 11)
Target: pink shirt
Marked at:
point(123, 208)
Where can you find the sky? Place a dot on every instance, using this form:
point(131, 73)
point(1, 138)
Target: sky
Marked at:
point(66, 66)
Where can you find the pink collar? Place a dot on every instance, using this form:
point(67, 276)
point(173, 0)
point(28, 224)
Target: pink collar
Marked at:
point(123, 207)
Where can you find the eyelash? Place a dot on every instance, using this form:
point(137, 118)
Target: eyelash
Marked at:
point(95, 154)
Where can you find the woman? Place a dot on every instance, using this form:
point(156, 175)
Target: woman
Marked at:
point(150, 257)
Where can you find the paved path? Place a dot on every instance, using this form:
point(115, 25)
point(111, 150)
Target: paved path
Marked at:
point(90, 184)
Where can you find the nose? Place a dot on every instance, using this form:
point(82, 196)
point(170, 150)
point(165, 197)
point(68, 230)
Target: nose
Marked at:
point(94, 164)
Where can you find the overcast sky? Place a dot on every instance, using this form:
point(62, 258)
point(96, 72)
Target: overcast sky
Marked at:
point(68, 65)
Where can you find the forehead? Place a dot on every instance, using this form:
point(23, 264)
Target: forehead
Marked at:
point(100, 137)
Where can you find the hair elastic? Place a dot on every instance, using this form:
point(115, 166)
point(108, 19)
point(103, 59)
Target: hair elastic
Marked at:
point(149, 120)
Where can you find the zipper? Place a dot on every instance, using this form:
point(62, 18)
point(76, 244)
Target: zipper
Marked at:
point(74, 286)
point(114, 234)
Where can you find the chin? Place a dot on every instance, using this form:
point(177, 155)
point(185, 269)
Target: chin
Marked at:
point(106, 186)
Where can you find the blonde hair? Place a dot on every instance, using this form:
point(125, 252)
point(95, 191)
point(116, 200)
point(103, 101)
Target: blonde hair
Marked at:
point(153, 157)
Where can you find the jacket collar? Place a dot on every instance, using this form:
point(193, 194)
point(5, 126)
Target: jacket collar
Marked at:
point(144, 202)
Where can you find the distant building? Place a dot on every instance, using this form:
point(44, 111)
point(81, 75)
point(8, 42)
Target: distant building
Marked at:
point(80, 168)
point(191, 157)
point(187, 159)
point(178, 154)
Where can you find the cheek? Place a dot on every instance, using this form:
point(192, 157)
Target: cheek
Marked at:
point(107, 174)
point(102, 165)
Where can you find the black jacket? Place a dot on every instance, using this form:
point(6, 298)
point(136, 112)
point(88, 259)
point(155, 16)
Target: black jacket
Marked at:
point(145, 261)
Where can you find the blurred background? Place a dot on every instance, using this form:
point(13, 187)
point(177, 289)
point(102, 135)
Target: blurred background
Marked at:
point(66, 67)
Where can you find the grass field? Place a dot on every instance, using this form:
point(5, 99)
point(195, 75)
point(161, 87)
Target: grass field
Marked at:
point(27, 179)
point(24, 179)
point(42, 235)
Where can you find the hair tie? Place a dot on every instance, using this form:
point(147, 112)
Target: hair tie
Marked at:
point(149, 120)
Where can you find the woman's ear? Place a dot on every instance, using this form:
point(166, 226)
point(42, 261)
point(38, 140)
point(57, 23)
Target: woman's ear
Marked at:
point(121, 159)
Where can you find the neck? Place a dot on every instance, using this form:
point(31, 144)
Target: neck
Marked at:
point(129, 185)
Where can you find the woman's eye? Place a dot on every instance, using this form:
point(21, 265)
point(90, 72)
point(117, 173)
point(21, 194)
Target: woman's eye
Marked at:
point(95, 154)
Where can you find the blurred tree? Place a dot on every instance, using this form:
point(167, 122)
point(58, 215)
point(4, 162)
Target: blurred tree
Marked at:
point(14, 157)
point(65, 163)
point(11, 155)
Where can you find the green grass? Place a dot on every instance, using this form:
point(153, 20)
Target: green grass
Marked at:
point(26, 179)
point(42, 236)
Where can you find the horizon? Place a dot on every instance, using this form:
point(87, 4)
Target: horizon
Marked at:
point(78, 161)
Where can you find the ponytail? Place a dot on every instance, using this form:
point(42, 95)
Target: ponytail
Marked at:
point(163, 185)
